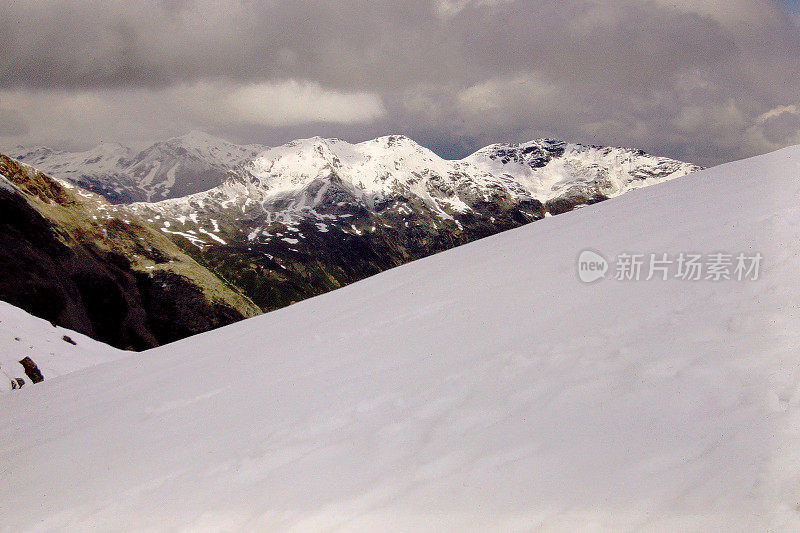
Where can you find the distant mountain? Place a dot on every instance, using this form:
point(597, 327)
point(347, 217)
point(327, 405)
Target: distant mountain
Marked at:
point(176, 167)
point(70, 257)
point(316, 214)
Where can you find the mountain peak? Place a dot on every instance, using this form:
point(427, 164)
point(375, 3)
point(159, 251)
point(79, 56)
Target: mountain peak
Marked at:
point(197, 135)
point(110, 149)
point(394, 139)
point(316, 140)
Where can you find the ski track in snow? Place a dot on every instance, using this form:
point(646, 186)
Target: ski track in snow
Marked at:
point(481, 389)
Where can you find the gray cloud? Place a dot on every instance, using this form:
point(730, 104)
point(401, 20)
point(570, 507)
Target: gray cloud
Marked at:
point(693, 79)
point(12, 123)
point(783, 127)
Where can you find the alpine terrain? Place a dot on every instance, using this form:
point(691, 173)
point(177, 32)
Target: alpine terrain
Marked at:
point(485, 388)
point(72, 258)
point(316, 214)
point(288, 223)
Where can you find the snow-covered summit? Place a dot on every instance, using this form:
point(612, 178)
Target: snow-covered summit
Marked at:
point(533, 154)
point(102, 159)
point(372, 166)
point(213, 150)
point(315, 214)
point(197, 162)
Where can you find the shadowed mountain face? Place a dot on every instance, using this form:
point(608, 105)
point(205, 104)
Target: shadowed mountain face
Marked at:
point(317, 214)
point(66, 257)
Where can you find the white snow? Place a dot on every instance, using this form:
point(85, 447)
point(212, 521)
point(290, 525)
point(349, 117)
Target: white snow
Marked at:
point(481, 389)
point(195, 240)
point(212, 235)
point(154, 171)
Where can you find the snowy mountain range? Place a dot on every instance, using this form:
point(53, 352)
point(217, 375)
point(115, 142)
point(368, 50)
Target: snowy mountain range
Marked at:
point(481, 389)
point(176, 167)
point(316, 214)
point(298, 177)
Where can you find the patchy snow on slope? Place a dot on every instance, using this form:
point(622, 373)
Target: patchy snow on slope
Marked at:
point(215, 237)
point(481, 389)
point(55, 350)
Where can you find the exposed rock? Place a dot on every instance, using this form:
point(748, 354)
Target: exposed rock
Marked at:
point(31, 370)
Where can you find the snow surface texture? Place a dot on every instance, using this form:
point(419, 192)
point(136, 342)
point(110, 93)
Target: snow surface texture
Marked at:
point(23, 335)
point(484, 388)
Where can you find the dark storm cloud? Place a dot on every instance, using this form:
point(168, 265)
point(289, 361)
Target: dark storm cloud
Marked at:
point(143, 44)
point(689, 78)
point(348, 44)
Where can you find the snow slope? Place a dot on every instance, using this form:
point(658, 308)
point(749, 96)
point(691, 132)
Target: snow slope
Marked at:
point(483, 388)
point(24, 335)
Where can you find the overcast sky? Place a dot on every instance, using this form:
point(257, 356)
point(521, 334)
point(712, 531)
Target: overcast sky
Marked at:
point(706, 81)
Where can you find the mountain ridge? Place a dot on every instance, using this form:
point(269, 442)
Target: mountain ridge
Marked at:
point(316, 214)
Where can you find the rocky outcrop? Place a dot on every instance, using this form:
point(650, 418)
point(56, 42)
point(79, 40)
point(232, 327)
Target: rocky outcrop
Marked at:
point(31, 370)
